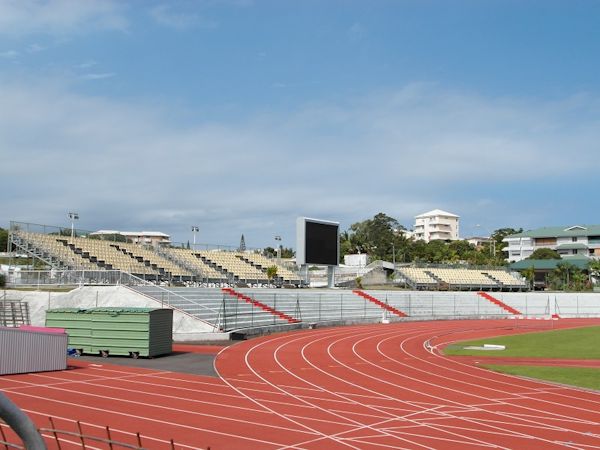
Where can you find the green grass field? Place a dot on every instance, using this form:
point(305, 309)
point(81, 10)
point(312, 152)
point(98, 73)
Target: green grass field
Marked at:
point(575, 343)
point(574, 376)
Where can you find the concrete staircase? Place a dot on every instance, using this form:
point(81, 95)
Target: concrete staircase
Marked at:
point(379, 303)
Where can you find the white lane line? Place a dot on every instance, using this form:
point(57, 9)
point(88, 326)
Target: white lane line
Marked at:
point(402, 346)
point(311, 429)
point(463, 437)
point(114, 431)
point(153, 406)
point(329, 353)
point(359, 426)
point(157, 421)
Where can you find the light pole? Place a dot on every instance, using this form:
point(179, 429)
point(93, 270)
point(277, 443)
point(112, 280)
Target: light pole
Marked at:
point(73, 216)
point(278, 243)
point(195, 229)
point(394, 254)
point(492, 241)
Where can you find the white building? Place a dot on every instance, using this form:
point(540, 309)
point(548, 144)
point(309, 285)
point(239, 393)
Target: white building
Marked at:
point(576, 240)
point(357, 260)
point(154, 238)
point(436, 225)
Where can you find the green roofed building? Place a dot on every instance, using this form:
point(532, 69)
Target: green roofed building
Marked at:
point(550, 264)
point(543, 267)
point(572, 242)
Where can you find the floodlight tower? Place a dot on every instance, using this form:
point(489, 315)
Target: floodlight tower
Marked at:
point(195, 229)
point(73, 216)
point(278, 243)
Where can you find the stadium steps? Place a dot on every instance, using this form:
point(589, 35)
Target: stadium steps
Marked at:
point(230, 276)
point(408, 280)
point(203, 307)
point(141, 259)
point(180, 262)
point(504, 286)
point(503, 305)
point(259, 267)
point(379, 303)
point(263, 306)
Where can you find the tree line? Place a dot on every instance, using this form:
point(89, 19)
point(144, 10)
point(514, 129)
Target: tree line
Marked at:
point(383, 238)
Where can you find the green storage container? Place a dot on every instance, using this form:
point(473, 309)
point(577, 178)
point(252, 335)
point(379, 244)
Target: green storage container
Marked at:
point(117, 330)
point(77, 323)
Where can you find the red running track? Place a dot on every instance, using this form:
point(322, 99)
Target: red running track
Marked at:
point(359, 387)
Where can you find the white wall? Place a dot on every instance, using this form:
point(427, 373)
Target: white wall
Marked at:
point(185, 327)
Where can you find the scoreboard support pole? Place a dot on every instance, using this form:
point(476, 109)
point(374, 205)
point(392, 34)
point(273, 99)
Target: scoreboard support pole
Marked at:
point(330, 276)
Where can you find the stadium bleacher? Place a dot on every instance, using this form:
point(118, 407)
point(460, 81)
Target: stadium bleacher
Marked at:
point(436, 278)
point(192, 261)
point(213, 267)
point(226, 312)
point(262, 262)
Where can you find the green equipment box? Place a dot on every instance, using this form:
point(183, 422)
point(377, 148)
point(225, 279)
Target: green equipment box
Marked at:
point(116, 330)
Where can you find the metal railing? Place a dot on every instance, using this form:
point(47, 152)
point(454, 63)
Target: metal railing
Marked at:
point(38, 278)
point(226, 312)
point(76, 434)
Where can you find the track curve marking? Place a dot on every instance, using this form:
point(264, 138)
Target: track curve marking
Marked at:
point(388, 386)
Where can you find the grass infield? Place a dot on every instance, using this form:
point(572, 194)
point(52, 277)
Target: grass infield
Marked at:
point(575, 376)
point(573, 343)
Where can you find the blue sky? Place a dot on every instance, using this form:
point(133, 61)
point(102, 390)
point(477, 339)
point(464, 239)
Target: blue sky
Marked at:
point(239, 116)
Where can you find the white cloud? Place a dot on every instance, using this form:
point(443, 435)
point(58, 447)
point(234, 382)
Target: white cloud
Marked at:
point(9, 54)
point(98, 76)
point(86, 64)
point(35, 48)
point(166, 16)
point(403, 152)
point(23, 17)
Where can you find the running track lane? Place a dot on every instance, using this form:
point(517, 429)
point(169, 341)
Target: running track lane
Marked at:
point(386, 386)
point(367, 387)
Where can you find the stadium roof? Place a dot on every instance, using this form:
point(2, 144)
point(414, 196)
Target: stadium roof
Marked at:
point(568, 231)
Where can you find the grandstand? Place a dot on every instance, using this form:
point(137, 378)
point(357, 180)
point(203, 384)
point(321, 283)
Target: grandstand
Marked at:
point(218, 285)
point(211, 268)
point(459, 279)
point(190, 260)
point(200, 312)
point(284, 274)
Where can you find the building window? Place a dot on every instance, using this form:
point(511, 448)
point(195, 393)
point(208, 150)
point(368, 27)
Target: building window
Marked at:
point(573, 239)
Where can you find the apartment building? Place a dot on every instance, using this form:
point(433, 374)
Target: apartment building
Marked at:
point(576, 240)
point(153, 238)
point(436, 225)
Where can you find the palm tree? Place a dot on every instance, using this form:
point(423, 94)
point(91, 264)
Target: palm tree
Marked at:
point(271, 273)
point(594, 270)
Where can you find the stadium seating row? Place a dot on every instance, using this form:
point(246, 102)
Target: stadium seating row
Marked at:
point(461, 279)
point(166, 263)
point(228, 313)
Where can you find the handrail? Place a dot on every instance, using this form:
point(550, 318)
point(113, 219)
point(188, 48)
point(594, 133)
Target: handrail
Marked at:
point(21, 424)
